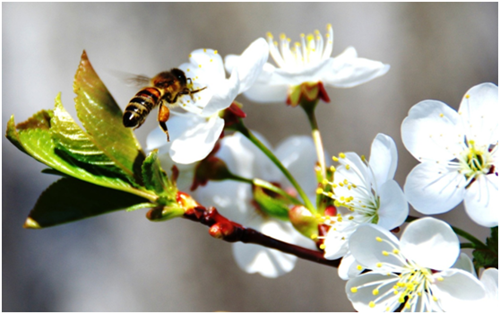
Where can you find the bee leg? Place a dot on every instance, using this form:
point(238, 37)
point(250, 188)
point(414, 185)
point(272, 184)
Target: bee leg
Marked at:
point(163, 115)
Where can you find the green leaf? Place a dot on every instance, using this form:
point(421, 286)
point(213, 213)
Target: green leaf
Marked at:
point(487, 257)
point(271, 203)
point(34, 138)
point(69, 199)
point(102, 118)
point(73, 141)
point(156, 180)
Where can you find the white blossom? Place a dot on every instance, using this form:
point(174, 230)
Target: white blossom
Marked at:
point(194, 132)
point(235, 201)
point(414, 272)
point(309, 61)
point(459, 156)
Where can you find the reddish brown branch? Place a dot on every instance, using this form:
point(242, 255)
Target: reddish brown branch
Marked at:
point(222, 228)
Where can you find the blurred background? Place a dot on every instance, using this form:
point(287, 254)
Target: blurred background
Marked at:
point(122, 261)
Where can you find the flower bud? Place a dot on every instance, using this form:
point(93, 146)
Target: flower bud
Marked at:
point(304, 221)
point(308, 91)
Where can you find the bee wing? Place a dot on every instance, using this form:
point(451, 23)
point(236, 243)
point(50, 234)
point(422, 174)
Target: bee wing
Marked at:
point(132, 79)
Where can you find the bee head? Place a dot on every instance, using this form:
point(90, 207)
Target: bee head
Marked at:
point(179, 74)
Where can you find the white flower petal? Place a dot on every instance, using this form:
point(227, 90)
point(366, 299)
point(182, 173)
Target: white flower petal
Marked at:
point(268, 262)
point(197, 142)
point(348, 267)
point(232, 200)
point(393, 206)
point(430, 243)
point(223, 95)
point(336, 242)
point(312, 73)
point(265, 93)
point(459, 291)
point(367, 250)
point(209, 61)
point(362, 297)
point(489, 279)
point(464, 263)
point(432, 188)
point(257, 259)
point(251, 62)
point(243, 158)
point(157, 139)
point(482, 200)
point(298, 155)
point(479, 112)
point(383, 158)
point(432, 131)
point(348, 71)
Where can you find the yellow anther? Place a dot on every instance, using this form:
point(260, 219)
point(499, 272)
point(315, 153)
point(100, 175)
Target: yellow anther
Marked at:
point(269, 35)
point(332, 169)
point(379, 265)
point(328, 26)
point(211, 60)
point(341, 155)
point(330, 194)
point(347, 167)
point(341, 184)
point(319, 191)
point(434, 298)
point(379, 239)
point(346, 182)
point(324, 181)
point(363, 158)
point(335, 158)
point(359, 267)
point(334, 185)
point(407, 305)
point(467, 96)
point(354, 289)
point(314, 236)
point(351, 217)
point(395, 251)
point(199, 65)
point(322, 246)
point(440, 278)
point(215, 52)
point(188, 70)
point(204, 50)
point(375, 292)
point(371, 304)
point(385, 253)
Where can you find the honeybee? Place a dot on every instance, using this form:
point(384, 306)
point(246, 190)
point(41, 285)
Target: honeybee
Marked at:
point(164, 90)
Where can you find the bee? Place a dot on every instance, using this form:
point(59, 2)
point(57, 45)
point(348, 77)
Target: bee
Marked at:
point(164, 90)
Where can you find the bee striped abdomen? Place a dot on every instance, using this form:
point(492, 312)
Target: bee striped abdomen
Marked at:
point(140, 106)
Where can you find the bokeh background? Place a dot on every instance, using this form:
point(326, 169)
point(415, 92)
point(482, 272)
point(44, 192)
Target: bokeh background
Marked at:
point(122, 261)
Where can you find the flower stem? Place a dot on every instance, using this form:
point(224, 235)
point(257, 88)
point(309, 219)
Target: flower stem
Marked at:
point(309, 107)
point(248, 134)
point(266, 185)
point(475, 242)
point(222, 228)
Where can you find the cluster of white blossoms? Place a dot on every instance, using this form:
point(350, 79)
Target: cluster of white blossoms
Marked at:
point(458, 154)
